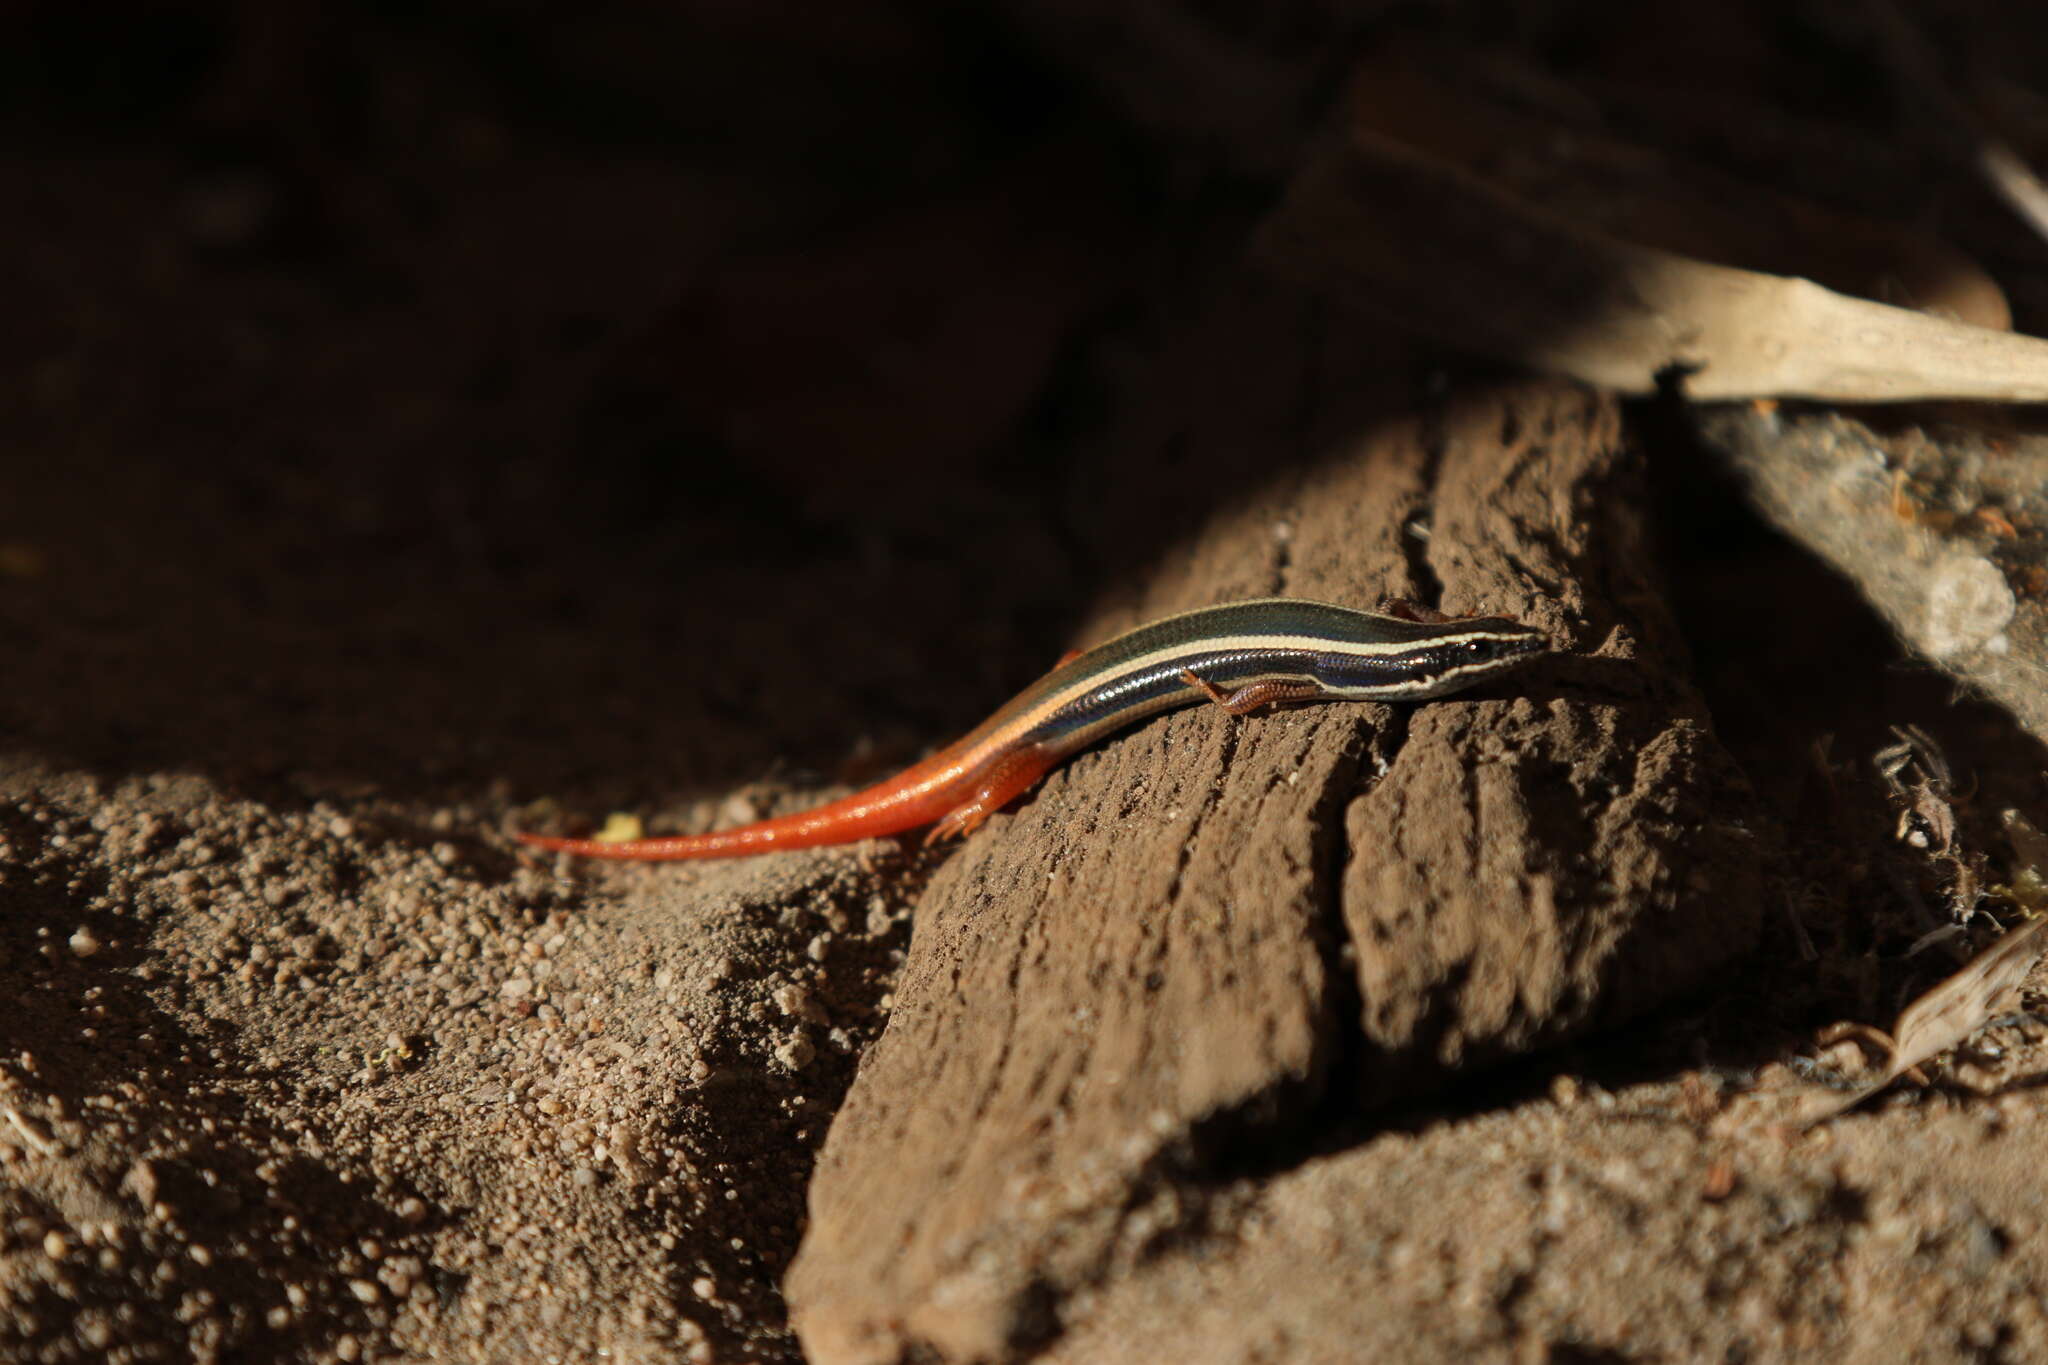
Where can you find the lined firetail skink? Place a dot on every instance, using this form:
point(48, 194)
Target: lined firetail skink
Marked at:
point(1241, 655)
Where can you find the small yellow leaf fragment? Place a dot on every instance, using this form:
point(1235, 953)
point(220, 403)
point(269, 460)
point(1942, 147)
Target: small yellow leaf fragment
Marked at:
point(620, 829)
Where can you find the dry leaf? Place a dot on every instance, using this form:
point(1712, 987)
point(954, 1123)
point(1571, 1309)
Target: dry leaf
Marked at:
point(1945, 1016)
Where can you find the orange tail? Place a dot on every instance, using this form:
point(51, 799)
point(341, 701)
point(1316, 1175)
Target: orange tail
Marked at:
point(948, 787)
point(806, 829)
point(917, 796)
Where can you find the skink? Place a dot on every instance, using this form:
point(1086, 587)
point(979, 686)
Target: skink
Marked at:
point(1241, 655)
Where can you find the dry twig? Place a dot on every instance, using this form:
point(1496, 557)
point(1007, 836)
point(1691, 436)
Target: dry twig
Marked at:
point(1452, 257)
point(1914, 70)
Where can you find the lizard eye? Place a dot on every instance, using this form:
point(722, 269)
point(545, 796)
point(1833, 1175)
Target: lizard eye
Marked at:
point(1475, 649)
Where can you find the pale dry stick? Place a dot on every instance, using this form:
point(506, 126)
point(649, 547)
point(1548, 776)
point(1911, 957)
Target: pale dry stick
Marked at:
point(1449, 256)
point(2015, 182)
point(1914, 70)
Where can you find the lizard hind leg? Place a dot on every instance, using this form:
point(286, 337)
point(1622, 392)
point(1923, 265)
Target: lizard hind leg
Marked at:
point(1245, 700)
point(1006, 779)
